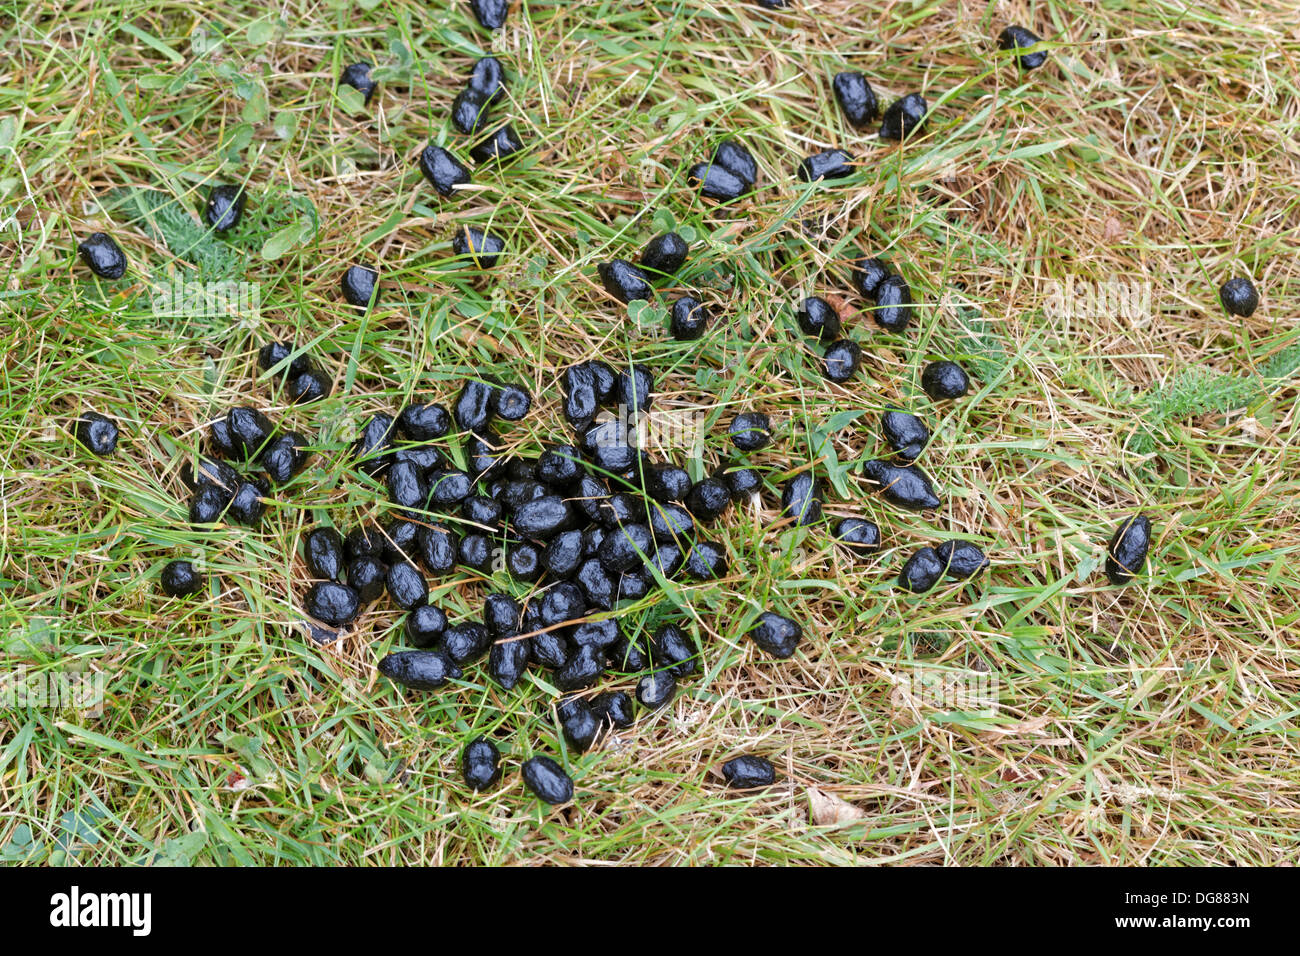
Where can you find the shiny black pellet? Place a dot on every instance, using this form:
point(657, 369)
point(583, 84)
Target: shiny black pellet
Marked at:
point(469, 110)
point(635, 388)
point(332, 603)
point(250, 430)
point(689, 319)
point(669, 522)
point(708, 499)
point(543, 776)
point(473, 409)
point(518, 492)
point(224, 208)
point(210, 472)
point(578, 722)
point(466, 642)
point(559, 466)
point(634, 585)
point(672, 649)
point(480, 764)
point(579, 387)
point(284, 457)
point(736, 159)
point(357, 76)
point(893, 309)
point(1015, 37)
point(425, 457)
point(615, 708)
point(629, 655)
point(502, 615)
point(602, 634)
point(524, 562)
point(716, 182)
point(624, 281)
point(512, 402)
point(483, 248)
point(561, 603)
point(406, 585)
point(904, 433)
point(625, 548)
point(582, 668)
point(246, 505)
point(842, 361)
point(367, 575)
point(751, 431)
point(359, 285)
point(401, 540)
point(421, 422)
point(921, 572)
point(543, 518)
point(1239, 297)
point(483, 455)
point(508, 659)
point(598, 587)
point(868, 273)
point(449, 488)
point(273, 353)
point(904, 117)
point(706, 561)
point(207, 504)
point(502, 144)
point(219, 439)
point(310, 386)
point(944, 380)
point(425, 625)
point(818, 317)
point(179, 579)
point(476, 551)
point(656, 690)
point(443, 170)
point(829, 164)
point(550, 649)
point(406, 486)
point(1127, 554)
point(801, 499)
point(373, 449)
point(104, 257)
point(776, 634)
point(589, 497)
point(487, 79)
point(491, 13)
point(481, 512)
point(419, 670)
point(364, 540)
point(323, 552)
point(743, 483)
point(858, 535)
point(98, 433)
point(666, 483)
point(664, 255)
point(856, 98)
point(748, 771)
point(906, 486)
point(961, 559)
point(563, 555)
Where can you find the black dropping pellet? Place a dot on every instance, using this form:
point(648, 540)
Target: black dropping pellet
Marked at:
point(559, 466)
point(224, 208)
point(672, 649)
point(842, 360)
point(406, 486)
point(323, 552)
point(743, 483)
point(284, 457)
point(423, 422)
point(716, 182)
point(625, 548)
point(524, 562)
point(669, 522)
point(561, 603)
point(656, 690)
point(508, 660)
point(706, 561)
point(250, 430)
point(483, 455)
point(419, 670)
point(473, 409)
point(443, 170)
point(1239, 296)
point(102, 255)
point(1019, 38)
point(273, 353)
point(829, 164)
point(904, 433)
point(635, 388)
point(476, 552)
point(425, 625)
point(449, 488)
point(469, 111)
point(1127, 554)
point(624, 281)
point(246, 505)
point(210, 472)
point(406, 585)
point(359, 285)
point(708, 499)
point(602, 634)
point(548, 782)
point(502, 144)
point(893, 309)
point(801, 499)
point(550, 649)
point(748, 771)
point(563, 555)
point(207, 504)
point(776, 635)
point(332, 603)
point(598, 587)
point(483, 247)
point(906, 486)
point(589, 497)
point(516, 493)
point(856, 98)
point(592, 539)
point(961, 559)
point(751, 431)
point(921, 572)
point(664, 254)
point(543, 518)
point(98, 433)
point(580, 400)
point(487, 79)
point(629, 654)
point(357, 76)
point(634, 585)
point(481, 512)
point(502, 615)
point(179, 579)
point(364, 540)
point(904, 117)
point(512, 402)
point(582, 668)
point(604, 380)
point(818, 317)
point(736, 159)
point(466, 642)
point(491, 13)
point(868, 273)
point(607, 444)
point(689, 319)
point(614, 708)
point(480, 764)
point(858, 535)
point(310, 386)
point(944, 380)
point(367, 575)
point(667, 482)
point(219, 439)
point(579, 724)
point(401, 540)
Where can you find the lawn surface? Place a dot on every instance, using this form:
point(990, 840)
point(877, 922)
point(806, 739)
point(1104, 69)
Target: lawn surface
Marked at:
point(1157, 150)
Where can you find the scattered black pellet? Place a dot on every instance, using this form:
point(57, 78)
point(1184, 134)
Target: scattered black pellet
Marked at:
point(1127, 554)
point(508, 659)
point(475, 551)
point(944, 380)
point(689, 319)
point(597, 585)
point(818, 317)
point(858, 535)
point(491, 13)
point(449, 488)
point(961, 559)
point(406, 585)
point(367, 575)
point(401, 540)
point(487, 79)
point(1239, 296)
point(629, 654)
point(519, 491)
point(665, 482)
point(511, 403)
point(547, 780)
point(671, 648)
point(656, 690)
point(904, 433)
point(443, 170)
point(550, 649)
point(600, 634)
point(406, 486)
point(480, 764)
point(423, 422)
point(1013, 38)
point(179, 579)
point(502, 144)
point(893, 309)
point(776, 635)
point(483, 247)
point(579, 724)
point(323, 552)
point(425, 457)
point(743, 483)
point(250, 430)
point(561, 603)
point(579, 387)
point(706, 561)
point(624, 281)
point(906, 486)
point(559, 466)
point(273, 353)
point(751, 431)
point(748, 771)
point(425, 625)
point(718, 183)
point(210, 472)
point(102, 255)
point(563, 555)
point(868, 273)
point(614, 708)
point(311, 386)
point(524, 562)
point(635, 388)
point(246, 505)
point(842, 361)
point(582, 668)
point(904, 117)
point(473, 409)
point(829, 164)
point(419, 670)
point(208, 503)
point(364, 541)
point(482, 512)
point(592, 539)
point(466, 642)
point(921, 572)
point(543, 518)
point(670, 522)
point(801, 499)
point(736, 159)
point(219, 439)
point(224, 208)
point(857, 99)
point(708, 499)
point(357, 76)
point(332, 603)
point(98, 433)
point(625, 548)
point(469, 110)
point(359, 285)
point(502, 615)
point(284, 457)
point(664, 254)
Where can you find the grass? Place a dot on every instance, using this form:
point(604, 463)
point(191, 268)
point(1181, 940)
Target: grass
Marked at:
point(1156, 724)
